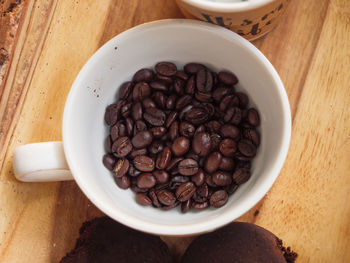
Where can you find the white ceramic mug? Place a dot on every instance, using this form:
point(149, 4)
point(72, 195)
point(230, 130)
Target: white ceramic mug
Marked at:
point(84, 130)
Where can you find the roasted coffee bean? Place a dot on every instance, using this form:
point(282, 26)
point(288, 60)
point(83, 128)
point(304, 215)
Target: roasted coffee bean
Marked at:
point(169, 207)
point(163, 158)
point(154, 116)
point(144, 74)
point(123, 182)
point(148, 103)
point(141, 91)
point(218, 198)
point(143, 163)
point(227, 102)
point(185, 206)
point(142, 139)
point(171, 101)
point(212, 162)
point(190, 86)
point(173, 163)
point(179, 86)
point(204, 80)
point(146, 181)
point(201, 143)
point(244, 165)
point(253, 117)
point(126, 110)
point(209, 181)
point(158, 132)
point(156, 147)
point(109, 161)
point(203, 96)
point(227, 164)
point(229, 131)
point(129, 123)
point(160, 99)
point(247, 148)
point(227, 78)
point(203, 191)
point(243, 99)
point(197, 116)
point(180, 179)
point(112, 114)
point(134, 188)
point(200, 206)
point(188, 167)
point(230, 189)
point(118, 130)
point(187, 129)
point(200, 128)
point(121, 167)
point(143, 199)
point(181, 75)
point(121, 147)
point(173, 131)
point(139, 126)
point(198, 178)
point(137, 111)
point(215, 141)
point(214, 126)
point(222, 178)
point(166, 197)
point(182, 102)
point(239, 156)
point(236, 116)
point(159, 85)
point(220, 92)
point(228, 147)
point(108, 144)
point(184, 111)
point(171, 118)
point(166, 68)
point(241, 176)
point(180, 146)
point(185, 191)
point(133, 172)
point(137, 152)
point(193, 68)
point(166, 79)
point(154, 198)
point(161, 176)
point(125, 90)
point(252, 135)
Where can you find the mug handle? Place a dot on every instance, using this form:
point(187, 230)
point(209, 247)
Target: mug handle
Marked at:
point(41, 162)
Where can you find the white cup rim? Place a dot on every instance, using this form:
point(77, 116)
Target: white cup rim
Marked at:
point(226, 7)
point(186, 229)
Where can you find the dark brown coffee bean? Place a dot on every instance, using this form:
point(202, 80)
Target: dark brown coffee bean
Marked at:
point(109, 161)
point(228, 147)
point(241, 176)
point(153, 196)
point(156, 147)
point(133, 172)
point(185, 206)
point(159, 85)
point(239, 156)
point(121, 167)
point(125, 90)
point(243, 99)
point(226, 102)
point(247, 148)
point(141, 91)
point(197, 116)
point(146, 181)
point(215, 141)
point(166, 79)
point(129, 123)
point(209, 181)
point(108, 144)
point(198, 178)
point(201, 143)
point(171, 118)
point(169, 207)
point(229, 131)
point(137, 111)
point(122, 147)
point(188, 167)
point(212, 162)
point(200, 206)
point(138, 152)
point(204, 80)
point(230, 189)
point(166, 68)
point(160, 99)
point(123, 182)
point(252, 135)
point(185, 191)
point(182, 102)
point(163, 158)
point(218, 198)
point(200, 128)
point(214, 126)
point(203, 96)
point(253, 117)
point(143, 199)
point(166, 197)
point(187, 129)
point(118, 130)
point(135, 189)
point(171, 101)
point(139, 126)
point(154, 116)
point(173, 131)
point(161, 176)
point(203, 191)
point(227, 78)
point(184, 111)
point(174, 163)
point(222, 178)
point(142, 139)
point(237, 116)
point(227, 164)
point(180, 179)
point(178, 86)
point(148, 103)
point(158, 132)
point(221, 92)
point(181, 146)
point(112, 113)
point(143, 163)
point(144, 74)
point(126, 110)
point(190, 86)
point(193, 68)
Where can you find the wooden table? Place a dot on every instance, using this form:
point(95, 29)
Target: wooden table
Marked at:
point(43, 45)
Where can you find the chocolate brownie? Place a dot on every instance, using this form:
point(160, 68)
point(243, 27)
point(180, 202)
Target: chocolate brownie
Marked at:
point(238, 242)
point(104, 240)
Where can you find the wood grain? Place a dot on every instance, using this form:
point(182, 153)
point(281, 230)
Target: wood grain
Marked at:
point(308, 206)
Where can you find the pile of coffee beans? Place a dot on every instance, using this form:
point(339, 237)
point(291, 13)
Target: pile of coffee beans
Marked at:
point(181, 137)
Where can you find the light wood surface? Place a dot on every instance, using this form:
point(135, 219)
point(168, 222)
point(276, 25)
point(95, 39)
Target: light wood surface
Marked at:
point(48, 41)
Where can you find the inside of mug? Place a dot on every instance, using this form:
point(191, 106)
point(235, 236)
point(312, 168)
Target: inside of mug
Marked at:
point(84, 130)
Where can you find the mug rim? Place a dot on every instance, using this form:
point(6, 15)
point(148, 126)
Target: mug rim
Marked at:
point(226, 7)
point(192, 228)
